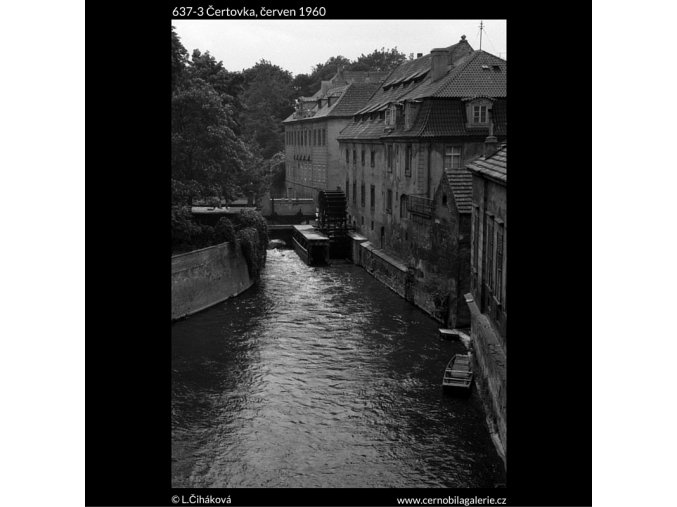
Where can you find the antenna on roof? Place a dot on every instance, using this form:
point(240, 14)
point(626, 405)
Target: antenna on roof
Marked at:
point(481, 28)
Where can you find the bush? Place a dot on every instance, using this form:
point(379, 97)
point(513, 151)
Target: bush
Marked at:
point(184, 229)
point(249, 230)
point(251, 248)
point(225, 231)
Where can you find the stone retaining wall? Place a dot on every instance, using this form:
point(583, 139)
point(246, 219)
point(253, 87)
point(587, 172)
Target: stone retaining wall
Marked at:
point(204, 277)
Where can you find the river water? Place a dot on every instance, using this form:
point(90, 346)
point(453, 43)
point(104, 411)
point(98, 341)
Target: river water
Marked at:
point(321, 377)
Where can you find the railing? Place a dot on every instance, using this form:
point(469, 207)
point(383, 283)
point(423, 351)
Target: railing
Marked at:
point(420, 205)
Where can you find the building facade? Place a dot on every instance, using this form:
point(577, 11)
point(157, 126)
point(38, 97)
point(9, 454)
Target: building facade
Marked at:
point(403, 160)
point(311, 131)
point(488, 301)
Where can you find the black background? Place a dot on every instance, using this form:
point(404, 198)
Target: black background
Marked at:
point(128, 451)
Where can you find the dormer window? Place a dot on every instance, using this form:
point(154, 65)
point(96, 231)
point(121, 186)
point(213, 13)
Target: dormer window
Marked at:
point(478, 113)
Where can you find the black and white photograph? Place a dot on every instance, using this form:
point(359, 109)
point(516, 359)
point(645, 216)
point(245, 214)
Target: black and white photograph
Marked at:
point(339, 224)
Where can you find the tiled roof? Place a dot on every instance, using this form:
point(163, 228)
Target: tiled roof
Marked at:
point(496, 166)
point(354, 98)
point(348, 99)
point(474, 75)
point(368, 129)
point(409, 76)
point(362, 76)
point(460, 181)
point(481, 74)
point(444, 118)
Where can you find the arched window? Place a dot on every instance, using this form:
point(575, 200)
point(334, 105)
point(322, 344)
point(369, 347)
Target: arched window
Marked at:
point(403, 206)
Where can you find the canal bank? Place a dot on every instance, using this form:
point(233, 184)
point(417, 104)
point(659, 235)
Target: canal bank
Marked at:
point(489, 357)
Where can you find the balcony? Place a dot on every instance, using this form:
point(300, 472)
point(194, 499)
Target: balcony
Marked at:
point(421, 206)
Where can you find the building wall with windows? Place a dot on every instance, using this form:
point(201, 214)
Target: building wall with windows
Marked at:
point(490, 240)
point(311, 146)
point(488, 302)
point(422, 133)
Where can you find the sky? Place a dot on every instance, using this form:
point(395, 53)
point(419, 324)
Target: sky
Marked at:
point(298, 45)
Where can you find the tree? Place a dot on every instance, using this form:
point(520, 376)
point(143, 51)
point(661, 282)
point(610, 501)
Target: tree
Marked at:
point(379, 60)
point(268, 99)
point(205, 148)
point(229, 85)
point(179, 57)
point(327, 70)
point(304, 85)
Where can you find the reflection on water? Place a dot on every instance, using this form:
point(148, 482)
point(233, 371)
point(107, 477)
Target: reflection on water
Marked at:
point(320, 377)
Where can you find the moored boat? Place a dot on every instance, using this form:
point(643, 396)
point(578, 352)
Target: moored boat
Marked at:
point(458, 374)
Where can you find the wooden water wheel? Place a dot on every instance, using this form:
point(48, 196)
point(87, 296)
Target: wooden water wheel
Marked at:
point(331, 218)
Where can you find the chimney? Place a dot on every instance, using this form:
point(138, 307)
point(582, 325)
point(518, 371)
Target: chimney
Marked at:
point(419, 55)
point(324, 86)
point(439, 63)
point(490, 143)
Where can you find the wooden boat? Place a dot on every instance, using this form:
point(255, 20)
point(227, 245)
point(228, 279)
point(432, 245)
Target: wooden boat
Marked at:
point(448, 334)
point(459, 374)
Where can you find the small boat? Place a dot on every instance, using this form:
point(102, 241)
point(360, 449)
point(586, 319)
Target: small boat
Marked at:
point(458, 374)
point(449, 334)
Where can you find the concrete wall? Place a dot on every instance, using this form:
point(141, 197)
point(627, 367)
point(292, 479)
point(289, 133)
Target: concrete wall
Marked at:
point(287, 207)
point(208, 276)
point(388, 270)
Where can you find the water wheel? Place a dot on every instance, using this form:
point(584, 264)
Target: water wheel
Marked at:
point(332, 212)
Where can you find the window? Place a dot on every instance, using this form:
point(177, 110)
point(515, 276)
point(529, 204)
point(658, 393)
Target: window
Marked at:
point(490, 252)
point(452, 157)
point(408, 161)
point(347, 156)
point(362, 199)
point(347, 187)
point(324, 137)
point(362, 158)
point(479, 114)
point(499, 261)
point(373, 158)
point(390, 158)
point(354, 157)
point(475, 235)
point(389, 202)
point(403, 206)
point(444, 199)
point(354, 191)
point(372, 197)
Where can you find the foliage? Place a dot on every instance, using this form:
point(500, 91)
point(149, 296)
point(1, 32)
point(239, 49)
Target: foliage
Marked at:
point(379, 60)
point(268, 99)
point(254, 252)
point(253, 219)
point(247, 229)
point(205, 148)
point(225, 231)
point(179, 59)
